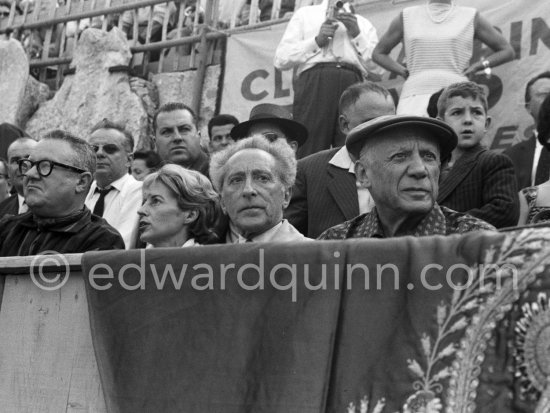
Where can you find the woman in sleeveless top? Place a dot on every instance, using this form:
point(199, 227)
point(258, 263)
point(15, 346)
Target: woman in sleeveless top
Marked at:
point(438, 43)
point(534, 201)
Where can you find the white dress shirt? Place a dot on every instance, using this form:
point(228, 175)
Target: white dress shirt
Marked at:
point(342, 160)
point(536, 157)
point(121, 206)
point(282, 232)
point(298, 46)
point(23, 207)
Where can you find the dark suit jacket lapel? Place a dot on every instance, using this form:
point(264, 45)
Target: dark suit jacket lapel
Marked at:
point(341, 185)
point(457, 174)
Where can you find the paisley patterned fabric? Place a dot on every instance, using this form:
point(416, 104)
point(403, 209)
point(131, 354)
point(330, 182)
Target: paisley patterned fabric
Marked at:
point(454, 324)
point(536, 214)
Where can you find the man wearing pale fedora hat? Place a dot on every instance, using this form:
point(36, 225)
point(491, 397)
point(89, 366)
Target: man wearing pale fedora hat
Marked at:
point(273, 122)
point(399, 161)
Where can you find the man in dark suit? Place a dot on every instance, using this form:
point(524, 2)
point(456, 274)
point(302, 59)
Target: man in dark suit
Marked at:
point(326, 192)
point(531, 160)
point(19, 149)
point(476, 181)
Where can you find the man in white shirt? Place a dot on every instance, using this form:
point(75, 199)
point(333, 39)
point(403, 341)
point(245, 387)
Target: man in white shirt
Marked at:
point(19, 149)
point(331, 49)
point(326, 192)
point(115, 194)
point(254, 178)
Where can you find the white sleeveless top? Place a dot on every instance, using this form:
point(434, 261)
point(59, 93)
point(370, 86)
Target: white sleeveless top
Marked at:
point(436, 53)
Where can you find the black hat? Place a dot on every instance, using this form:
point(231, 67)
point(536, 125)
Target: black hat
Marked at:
point(274, 114)
point(8, 134)
point(445, 135)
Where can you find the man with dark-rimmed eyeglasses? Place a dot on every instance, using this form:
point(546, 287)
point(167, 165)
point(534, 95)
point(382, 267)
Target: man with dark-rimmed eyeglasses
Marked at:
point(56, 178)
point(115, 194)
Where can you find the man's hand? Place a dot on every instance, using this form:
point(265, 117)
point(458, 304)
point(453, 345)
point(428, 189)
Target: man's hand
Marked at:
point(350, 21)
point(326, 32)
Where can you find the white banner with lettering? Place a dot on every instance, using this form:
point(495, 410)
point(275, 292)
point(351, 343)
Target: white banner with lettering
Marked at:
point(250, 77)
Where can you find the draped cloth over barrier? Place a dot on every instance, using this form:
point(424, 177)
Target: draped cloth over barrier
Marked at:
point(296, 328)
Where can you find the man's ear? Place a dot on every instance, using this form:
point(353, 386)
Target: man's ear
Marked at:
point(287, 197)
point(84, 181)
point(361, 175)
point(222, 206)
point(488, 122)
point(343, 124)
point(129, 159)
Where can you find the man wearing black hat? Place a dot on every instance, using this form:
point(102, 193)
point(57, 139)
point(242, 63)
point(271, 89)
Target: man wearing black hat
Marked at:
point(400, 160)
point(8, 134)
point(273, 122)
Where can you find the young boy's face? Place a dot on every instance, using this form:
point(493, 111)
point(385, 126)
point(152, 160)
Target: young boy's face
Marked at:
point(468, 119)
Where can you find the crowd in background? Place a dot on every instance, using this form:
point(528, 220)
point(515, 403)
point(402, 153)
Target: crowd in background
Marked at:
point(349, 161)
point(303, 175)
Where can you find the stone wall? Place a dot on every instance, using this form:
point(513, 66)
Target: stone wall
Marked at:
point(93, 92)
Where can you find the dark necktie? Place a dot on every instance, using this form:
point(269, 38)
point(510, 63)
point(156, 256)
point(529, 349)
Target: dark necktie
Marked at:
point(543, 167)
point(100, 204)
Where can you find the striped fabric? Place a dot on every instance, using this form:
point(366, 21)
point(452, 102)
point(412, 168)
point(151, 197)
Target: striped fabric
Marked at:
point(437, 53)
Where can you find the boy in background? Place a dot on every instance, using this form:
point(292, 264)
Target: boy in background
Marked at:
point(476, 180)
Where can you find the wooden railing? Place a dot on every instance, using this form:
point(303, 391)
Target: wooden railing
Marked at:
point(57, 29)
point(188, 40)
point(47, 351)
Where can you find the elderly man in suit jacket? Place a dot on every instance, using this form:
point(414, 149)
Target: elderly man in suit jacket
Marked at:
point(326, 192)
point(254, 178)
point(400, 159)
point(531, 160)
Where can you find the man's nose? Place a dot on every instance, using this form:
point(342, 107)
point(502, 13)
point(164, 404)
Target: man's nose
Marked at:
point(32, 172)
point(249, 188)
point(176, 136)
point(417, 167)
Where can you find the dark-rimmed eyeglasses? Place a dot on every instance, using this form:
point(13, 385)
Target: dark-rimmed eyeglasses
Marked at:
point(108, 148)
point(44, 167)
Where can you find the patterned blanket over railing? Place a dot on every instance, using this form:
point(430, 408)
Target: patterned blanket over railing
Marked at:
point(454, 324)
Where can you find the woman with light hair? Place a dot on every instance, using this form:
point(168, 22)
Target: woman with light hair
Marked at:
point(180, 208)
